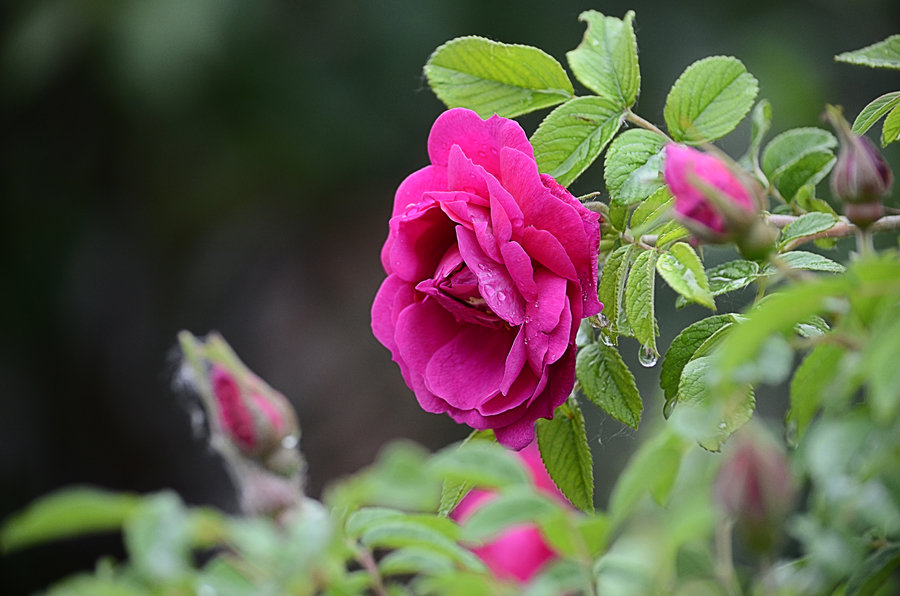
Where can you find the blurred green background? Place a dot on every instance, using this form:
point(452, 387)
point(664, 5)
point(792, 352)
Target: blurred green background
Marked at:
point(230, 165)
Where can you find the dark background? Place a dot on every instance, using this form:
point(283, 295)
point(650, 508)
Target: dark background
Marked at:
point(230, 165)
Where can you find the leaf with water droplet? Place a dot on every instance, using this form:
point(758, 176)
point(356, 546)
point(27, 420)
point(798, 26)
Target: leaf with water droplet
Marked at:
point(611, 289)
point(607, 382)
point(705, 332)
point(639, 299)
point(606, 60)
point(647, 357)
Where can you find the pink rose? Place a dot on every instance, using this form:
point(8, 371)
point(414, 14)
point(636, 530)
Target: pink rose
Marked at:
point(490, 268)
point(685, 167)
point(519, 553)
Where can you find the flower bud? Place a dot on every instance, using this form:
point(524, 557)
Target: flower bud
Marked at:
point(861, 175)
point(710, 199)
point(754, 487)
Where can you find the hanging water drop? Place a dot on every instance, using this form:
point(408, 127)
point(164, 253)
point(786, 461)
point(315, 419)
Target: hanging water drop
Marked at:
point(607, 340)
point(289, 442)
point(647, 357)
point(598, 321)
point(668, 408)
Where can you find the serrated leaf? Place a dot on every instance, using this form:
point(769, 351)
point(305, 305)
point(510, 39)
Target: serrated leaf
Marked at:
point(704, 416)
point(874, 111)
point(671, 232)
point(453, 490)
point(890, 131)
point(639, 299)
point(608, 383)
point(652, 469)
point(66, 513)
point(156, 537)
point(362, 520)
point(649, 213)
point(685, 345)
point(883, 374)
point(760, 123)
point(807, 224)
point(810, 384)
point(573, 135)
point(731, 276)
point(709, 99)
point(511, 507)
point(606, 60)
point(806, 199)
point(884, 54)
point(683, 271)
point(808, 261)
point(797, 158)
point(491, 77)
point(632, 166)
point(564, 450)
point(612, 284)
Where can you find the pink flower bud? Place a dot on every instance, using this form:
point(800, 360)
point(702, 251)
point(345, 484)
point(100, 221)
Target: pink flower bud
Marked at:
point(709, 198)
point(519, 553)
point(755, 487)
point(861, 175)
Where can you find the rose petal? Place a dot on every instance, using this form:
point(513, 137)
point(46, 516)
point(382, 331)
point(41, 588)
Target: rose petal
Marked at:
point(520, 269)
point(421, 237)
point(544, 248)
point(467, 370)
point(463, 174)
point(494, 282)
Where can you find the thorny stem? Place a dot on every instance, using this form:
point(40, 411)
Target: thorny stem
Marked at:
point(842, 229)
point(645, 124)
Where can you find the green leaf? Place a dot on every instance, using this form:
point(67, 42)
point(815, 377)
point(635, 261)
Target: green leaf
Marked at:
point(872, 574)
point(704, 416)
point(760, 123)
point(652, 469)
point(884, 54)
point(807, 224)
point(732, 276)
point(612, 285)
point(606, 60)
point(683, 271)
point(806, 199)
point(649, 213)
point(810, 384)
point(709, 99)
point(683, 347)
point(479, 463)
point(157, 540)
point(883, 374)
point(632, 166)
point(808, 261)
point(798, 157)
point(573, 135)
point(639, 300)
point(891, 129)
point(491, 77)
point(453, 491)
point(403, 533)
point(671, 232)
point(874, 111)
point(415, 560)
point(563, 445)
point(66, 513)
point(510, 507)
point(608, 383)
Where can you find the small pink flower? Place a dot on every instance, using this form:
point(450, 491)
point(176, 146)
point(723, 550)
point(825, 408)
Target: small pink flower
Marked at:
point(490, 268)
point(519, 553)
point(691, 175)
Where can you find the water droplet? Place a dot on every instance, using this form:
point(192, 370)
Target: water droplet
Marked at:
point(501, 296)
point(290, 442)
point(482, 154)
point(647, 357)
point(598, 321)
point(482, 267)
point(668, 408)
point(607, 340)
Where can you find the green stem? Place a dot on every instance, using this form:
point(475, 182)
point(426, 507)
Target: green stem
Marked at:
point(865, 244)
point(365, 558)
point(646, 124)
point(724, 560)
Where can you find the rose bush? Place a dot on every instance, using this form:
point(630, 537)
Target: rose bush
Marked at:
point(519, 552)
point(490, 268)
point(685, 167)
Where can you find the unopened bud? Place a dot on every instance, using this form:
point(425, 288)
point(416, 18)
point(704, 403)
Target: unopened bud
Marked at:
point(754, 487)
point(861, 176)
point(711, 199)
